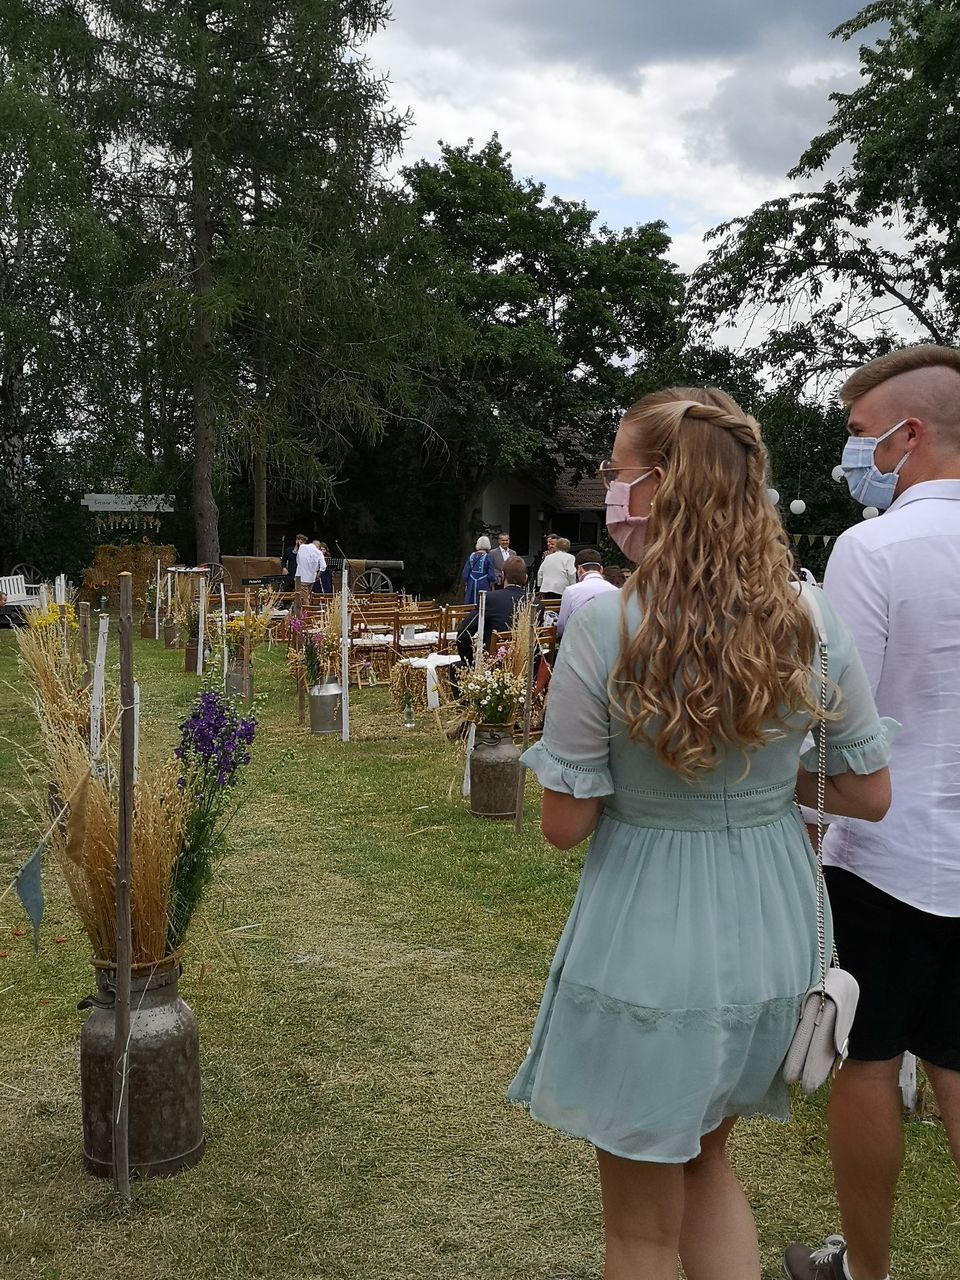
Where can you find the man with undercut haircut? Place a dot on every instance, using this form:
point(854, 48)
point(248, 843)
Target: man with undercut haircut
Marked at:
point(895, 885)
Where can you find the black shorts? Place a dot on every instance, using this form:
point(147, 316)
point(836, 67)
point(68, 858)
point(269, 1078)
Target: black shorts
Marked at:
point(907, 963)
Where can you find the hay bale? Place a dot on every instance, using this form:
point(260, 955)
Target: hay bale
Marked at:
point(137, 558)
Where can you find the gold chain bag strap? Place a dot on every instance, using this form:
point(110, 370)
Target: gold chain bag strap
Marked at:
point(819, 1045)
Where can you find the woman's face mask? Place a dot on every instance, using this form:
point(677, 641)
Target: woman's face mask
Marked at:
point(628, 532)
point(868, 486)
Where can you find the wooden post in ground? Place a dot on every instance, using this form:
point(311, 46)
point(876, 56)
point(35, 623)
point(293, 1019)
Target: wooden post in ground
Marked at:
point(345, 656)
point(85, 643)
point(527, 706)
point(302, 678)
point(121, 1035)
point(223, 636)
point(202, 623)
point(156, 606)
point(247, 691)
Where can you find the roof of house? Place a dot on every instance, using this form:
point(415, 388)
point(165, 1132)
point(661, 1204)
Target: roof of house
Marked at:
point(586, 494)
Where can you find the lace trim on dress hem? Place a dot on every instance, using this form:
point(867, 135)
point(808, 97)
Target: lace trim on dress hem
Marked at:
point(724, 1016)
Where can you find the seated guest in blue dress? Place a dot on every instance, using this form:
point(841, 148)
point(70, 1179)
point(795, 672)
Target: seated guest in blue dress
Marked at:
point(676, 716)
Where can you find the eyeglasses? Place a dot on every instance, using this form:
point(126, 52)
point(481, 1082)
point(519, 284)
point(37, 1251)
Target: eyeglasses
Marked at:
point(609, 474)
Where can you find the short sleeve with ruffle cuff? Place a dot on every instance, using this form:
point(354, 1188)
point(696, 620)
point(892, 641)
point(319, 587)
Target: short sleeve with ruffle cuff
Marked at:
point(582, 781)
point(862, 755)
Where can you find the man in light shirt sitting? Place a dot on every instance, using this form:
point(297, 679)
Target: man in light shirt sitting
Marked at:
point(895, 885)
point(590, 582)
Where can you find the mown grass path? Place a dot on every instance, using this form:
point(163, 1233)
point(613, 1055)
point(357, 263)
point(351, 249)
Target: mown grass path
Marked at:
point(356, 1044)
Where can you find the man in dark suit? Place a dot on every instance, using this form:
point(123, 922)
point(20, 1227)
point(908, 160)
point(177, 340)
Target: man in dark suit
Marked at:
point(498, 615)
point(500, 554)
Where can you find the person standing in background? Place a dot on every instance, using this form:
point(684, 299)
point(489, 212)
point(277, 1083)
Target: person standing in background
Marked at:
point(557, 570)
point(288, 561)
point(478, 573)
point(309, 563)
point(500, 554)
point(326, 573)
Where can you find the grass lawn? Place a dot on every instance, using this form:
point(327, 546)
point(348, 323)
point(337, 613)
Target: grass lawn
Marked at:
point(356, 1044)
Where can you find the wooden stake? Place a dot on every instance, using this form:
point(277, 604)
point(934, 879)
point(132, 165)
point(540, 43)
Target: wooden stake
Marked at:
point(121, 1036)
point(202, 623)
point(156, 606)
point(223, 636)
point(247, 691)
point(302, 678)
point(527, 706)
point(345, 656)
point(85, 643)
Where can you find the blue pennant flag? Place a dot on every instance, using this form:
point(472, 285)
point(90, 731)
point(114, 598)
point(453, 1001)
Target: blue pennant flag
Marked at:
point(30, 891)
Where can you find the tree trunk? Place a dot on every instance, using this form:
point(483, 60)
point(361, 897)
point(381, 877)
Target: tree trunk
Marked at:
point(205, 512)
point(260, 502)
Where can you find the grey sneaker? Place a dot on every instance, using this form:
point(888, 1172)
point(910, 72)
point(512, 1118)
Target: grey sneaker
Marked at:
point(825, 1263)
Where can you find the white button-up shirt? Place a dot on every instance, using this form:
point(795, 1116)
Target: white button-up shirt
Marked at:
point(895, 581)
point(591, 584)
point(310, 562)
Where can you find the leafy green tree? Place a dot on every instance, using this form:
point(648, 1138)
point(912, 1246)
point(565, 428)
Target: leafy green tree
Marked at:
point(555, 321)
point(58, 259)
point(839, 275)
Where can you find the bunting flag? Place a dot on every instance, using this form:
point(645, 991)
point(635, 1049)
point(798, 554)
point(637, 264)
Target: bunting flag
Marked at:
point(29, 890)
point(827, 539)
point(811, 539)
point(796, 539)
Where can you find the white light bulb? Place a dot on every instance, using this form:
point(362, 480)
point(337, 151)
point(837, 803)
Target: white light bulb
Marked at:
point(774, 496)
point(798, 506)
point(837, 473)
point(870, 512)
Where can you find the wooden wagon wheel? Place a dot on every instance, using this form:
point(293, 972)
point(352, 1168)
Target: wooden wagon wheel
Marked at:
point(215, 576)
point(370, 582)
point(29, 572)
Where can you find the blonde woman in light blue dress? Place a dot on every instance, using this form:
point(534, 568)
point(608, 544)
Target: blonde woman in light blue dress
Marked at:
point(673, 737)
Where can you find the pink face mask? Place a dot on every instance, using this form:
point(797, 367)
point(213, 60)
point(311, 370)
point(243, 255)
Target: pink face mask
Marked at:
point(628, 532)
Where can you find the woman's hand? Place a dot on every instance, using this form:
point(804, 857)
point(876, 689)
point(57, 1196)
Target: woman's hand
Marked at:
point(566, 821)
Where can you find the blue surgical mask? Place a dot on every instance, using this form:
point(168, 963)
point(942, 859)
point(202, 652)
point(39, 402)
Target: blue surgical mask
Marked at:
point(868, 486)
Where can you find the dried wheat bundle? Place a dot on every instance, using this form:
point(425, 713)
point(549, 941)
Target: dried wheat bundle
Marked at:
point(54, 669)
point(85, 846)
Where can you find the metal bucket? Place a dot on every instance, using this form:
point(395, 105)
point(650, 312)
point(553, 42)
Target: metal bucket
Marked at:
point(237, 687)
point(325, 703)
point(166, 1124)
point(171, 634)
point(190, 657)
point(147, 629)
point(494, 772)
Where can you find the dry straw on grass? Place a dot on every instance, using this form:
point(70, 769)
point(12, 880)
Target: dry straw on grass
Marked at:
point(84, 833)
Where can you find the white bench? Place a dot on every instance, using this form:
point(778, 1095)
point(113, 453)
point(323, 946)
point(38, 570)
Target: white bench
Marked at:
point(19, 592)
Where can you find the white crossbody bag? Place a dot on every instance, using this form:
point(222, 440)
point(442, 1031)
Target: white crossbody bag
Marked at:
point(819, 1045)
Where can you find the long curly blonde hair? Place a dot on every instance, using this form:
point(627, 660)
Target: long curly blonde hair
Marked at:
point(724, 646)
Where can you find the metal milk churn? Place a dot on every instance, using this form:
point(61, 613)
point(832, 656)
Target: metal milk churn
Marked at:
point(166, 1126)
point(494, 772)
point(325, 703)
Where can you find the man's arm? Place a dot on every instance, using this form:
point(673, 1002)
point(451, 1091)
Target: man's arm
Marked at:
point(855, 585)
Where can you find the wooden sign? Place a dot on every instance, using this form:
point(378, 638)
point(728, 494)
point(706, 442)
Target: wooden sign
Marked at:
point(127, 501)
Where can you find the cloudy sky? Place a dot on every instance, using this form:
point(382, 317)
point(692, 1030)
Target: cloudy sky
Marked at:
point(686, 110)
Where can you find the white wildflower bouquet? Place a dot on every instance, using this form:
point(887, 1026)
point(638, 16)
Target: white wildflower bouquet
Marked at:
point(492, 692)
